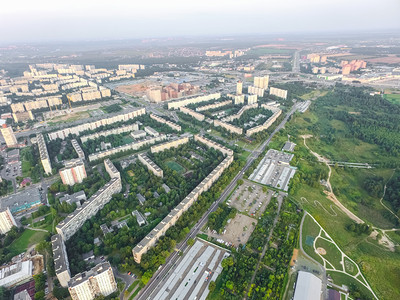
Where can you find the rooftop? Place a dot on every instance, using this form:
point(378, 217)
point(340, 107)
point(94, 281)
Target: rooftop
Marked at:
point(82, 277)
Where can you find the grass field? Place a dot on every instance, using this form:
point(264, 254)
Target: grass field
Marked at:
point(175, 166)
point(393, 98)
point(28, 238)
point(341, 278)
point(333, 254)
point(310, 232)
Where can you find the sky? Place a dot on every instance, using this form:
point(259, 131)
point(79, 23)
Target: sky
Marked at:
point(61, 20)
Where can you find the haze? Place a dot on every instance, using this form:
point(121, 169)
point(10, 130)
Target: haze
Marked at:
point(46, 20)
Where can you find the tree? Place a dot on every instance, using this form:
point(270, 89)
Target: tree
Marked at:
point(190, 242)
point(240, 181)
point(212, 286)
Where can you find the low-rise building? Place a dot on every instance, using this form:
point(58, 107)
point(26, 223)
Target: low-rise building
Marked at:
point(139, 218)
point(22, 201)
point(138, 134)
point(151, 131)
point(74, 198)
point(16, 273)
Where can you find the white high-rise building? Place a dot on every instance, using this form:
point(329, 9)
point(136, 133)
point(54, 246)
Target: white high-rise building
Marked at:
point(7, 220)
point(9, 136)
point(261, 82)
point(239, 88)
point(74, 172)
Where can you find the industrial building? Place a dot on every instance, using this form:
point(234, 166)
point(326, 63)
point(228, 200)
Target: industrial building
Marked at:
point(308, 286)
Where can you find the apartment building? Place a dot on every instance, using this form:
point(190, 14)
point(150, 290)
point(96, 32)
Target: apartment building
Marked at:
point(239, 88)
point(98, 281)
point(252, 90)
point(192, 100)
point(240, 112)
point(119, 130)
point(60, 257)
point(211, 144)
point(44, 155)
point(151, 166)
point(63, 133)
point(170, 144)
point(147, 242)
point(251, 99)
point(192, 113)
point(261, 82)
point(278, 92)
point(17, 107)
point(73, 172)
point(7, 220)
point(89, 208)
point(78, 149)
point(214, 105)
point(9, 136)
point(23, 116)
point(227, 126)
point(151, 131)
point(148, 140)
point(238, 99)
point(163, 121)
point(276, 113)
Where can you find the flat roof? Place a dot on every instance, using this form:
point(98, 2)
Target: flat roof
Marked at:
point(308, 286)
point(21, 200)
point(82, 277)
point(60, 257)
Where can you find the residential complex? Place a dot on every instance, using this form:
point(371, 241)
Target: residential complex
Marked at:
point(73, 172)
point(156, 170)
point(261, 82)
point(278, 92)
point(44, 155)
point(239, 88)
point(7, 220)
point(75, 220)
point(231, 128)
point(63, 133)
point(163, 121)
point(214, 105)
point(118, 130)
point(170, 220)
point(276, 113)
point(98, 281)
point(192, 113)
point(78, 149)
point(61, 265)
point(170, 144)
point(8, 135)
point(192, 100)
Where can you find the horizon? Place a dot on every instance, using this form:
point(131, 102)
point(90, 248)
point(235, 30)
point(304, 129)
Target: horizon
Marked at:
point(26, 22)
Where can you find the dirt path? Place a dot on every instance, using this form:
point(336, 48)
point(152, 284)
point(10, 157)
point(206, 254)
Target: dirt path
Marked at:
point(329, 194)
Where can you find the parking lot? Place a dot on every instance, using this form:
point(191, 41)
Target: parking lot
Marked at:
point(237, 232)
point(250, 199)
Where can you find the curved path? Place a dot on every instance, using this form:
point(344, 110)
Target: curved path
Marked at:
point(330, 195)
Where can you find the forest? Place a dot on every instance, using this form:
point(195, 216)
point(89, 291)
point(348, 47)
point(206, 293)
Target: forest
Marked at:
point(392, 194)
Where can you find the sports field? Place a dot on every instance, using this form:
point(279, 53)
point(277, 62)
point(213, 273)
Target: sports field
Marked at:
point(175, 166)
point(394, 98)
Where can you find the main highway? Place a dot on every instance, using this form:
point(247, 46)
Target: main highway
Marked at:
point(163, 271)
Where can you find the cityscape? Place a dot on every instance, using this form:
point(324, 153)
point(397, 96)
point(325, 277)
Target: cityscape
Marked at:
point(245, 162)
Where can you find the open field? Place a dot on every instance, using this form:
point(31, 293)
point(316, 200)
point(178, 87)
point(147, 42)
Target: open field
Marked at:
point(68, 118)
point(394, 98)
point(238, 230)
point(175, 166)
point(27, 239)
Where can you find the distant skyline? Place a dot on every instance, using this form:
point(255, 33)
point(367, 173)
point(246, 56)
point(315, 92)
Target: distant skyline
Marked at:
point(44, 20)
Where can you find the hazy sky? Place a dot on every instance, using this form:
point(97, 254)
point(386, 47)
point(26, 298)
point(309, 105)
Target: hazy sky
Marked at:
point(31, 20)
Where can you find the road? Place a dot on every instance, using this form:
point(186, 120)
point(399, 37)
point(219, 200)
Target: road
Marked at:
point(171, 261)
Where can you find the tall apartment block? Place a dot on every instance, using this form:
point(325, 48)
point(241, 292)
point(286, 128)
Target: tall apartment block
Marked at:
point(78, 149)
point(278, 92)
point(97, 281)
point(261, 82)
point(73, 172)
point(60, 256)
point(90, 207)
point(7, 220)
point(8, 135)
point(239, 88)
point(156, 170)
point(44, 155)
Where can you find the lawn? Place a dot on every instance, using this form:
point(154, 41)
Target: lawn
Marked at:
point(341, 278)
point(28, 238)
point(175, 166)
point(310, 231)
point(350, 267)
point(393, 98)
point(333, 254)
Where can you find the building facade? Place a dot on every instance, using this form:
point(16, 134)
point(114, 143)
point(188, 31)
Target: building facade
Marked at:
point(8, 135)
point(156, 170)
point(73, 172)
point(44, 155)
point(60, 257)
point(170, 144)
point(7, 220)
